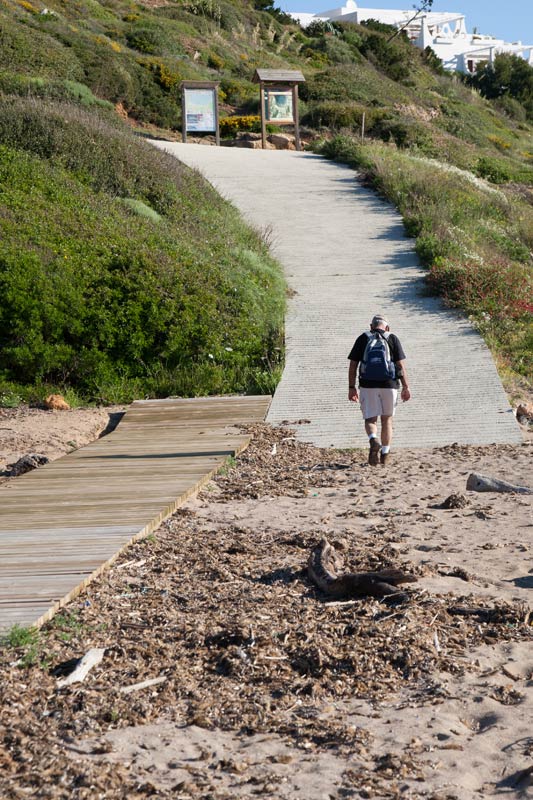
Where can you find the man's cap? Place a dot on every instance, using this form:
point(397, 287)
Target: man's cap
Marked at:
point(378, 320)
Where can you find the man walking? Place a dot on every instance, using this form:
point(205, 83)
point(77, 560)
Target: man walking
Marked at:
point(380, 357)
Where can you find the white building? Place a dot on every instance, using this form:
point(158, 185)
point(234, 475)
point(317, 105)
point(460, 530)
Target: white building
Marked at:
point(445, 33)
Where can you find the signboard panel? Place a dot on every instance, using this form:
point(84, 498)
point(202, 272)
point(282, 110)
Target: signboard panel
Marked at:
point(279, 105)
point(200, 110)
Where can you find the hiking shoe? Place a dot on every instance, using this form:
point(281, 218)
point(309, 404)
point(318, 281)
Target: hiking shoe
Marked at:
point(384, 459)
point(374, 451)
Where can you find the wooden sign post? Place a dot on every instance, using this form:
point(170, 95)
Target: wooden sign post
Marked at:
point(279, 99)
point(199, 108)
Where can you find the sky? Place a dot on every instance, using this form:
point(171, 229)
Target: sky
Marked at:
point(511, 20)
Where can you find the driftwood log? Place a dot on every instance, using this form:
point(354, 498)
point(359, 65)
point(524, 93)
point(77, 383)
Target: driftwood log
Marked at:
point(481, 483)
point(325, 564)
point(91, 658)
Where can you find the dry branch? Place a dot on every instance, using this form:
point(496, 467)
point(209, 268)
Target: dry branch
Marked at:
point(325, 563)
point(135, 687)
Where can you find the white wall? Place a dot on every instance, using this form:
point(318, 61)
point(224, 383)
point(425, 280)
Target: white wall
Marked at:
point(445, 33)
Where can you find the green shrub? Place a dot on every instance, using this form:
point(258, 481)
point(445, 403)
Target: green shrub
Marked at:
point(379, 27)
point(229, 126)
point(10, 399)
point(508, 242)
point(165, 77)
point(346, 150)
point(214, 61)
point(27, 50)
point(205, 8)
point(79, 92)
point(156, 96)
point(238, 91)
point(317, 57)
point(184, 24)
point(492, 169)
point(320, 27)
point(252, 108)
point(352, 36)
point(230, 19)
point(333, 49)
point(358, 82)
point(465, 121)
point(103, 156)
point(98, 295)
point(146, 40)
point(430, 247)
point(431, 60)
point(404, 133)
point(19, 636)
point(497, 288)
point(45, 88)
point(395, 58)
point(510, 107)
point(28, 640)
point(335, 114)
point(109, 75)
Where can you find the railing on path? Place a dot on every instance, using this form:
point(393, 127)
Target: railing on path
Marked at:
point(63, 524)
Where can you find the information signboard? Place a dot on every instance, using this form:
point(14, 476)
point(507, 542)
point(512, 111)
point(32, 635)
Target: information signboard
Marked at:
point(279, 105)
point(278, 99)
point(200, 110)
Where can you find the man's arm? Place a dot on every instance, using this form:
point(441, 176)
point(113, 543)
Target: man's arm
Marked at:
point(406, 394)
point(353, 394)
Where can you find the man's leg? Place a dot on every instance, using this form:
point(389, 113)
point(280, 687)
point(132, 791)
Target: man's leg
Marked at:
point(371, 408)
point(371, 427)
point(389, 398)
point(386, 430)
point(386, 438)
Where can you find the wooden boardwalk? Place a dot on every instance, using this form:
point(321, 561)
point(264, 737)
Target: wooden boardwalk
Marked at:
point(63, 524)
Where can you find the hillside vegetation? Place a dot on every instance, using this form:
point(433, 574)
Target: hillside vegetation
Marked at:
point(122, 272)
point(135, 224)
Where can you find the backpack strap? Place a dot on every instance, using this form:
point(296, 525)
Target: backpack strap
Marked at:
point(381, 335)
point(385, 336)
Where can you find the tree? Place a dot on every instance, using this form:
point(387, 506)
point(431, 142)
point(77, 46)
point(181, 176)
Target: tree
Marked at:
point(509, 75)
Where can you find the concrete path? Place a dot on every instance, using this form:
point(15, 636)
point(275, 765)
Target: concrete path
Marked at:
point(346, 257)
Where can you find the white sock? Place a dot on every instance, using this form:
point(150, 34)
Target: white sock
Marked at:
point(372, 436)
point(385, 449)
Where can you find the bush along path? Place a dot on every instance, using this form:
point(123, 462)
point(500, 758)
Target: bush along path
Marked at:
point(473, 231)
point(114, 261)
point(346, 256)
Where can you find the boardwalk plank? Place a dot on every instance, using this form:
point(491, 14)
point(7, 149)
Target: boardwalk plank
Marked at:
point(63, 524)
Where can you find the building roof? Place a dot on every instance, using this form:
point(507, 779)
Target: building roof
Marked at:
point(278, 76)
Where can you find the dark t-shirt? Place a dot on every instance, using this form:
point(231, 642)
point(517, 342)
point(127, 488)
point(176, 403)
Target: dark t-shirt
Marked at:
point(358, 350)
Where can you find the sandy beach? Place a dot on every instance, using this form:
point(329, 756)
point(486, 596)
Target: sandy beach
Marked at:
point(259, 685)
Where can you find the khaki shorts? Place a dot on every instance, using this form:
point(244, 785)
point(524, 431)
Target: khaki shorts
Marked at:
point(378, 402)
